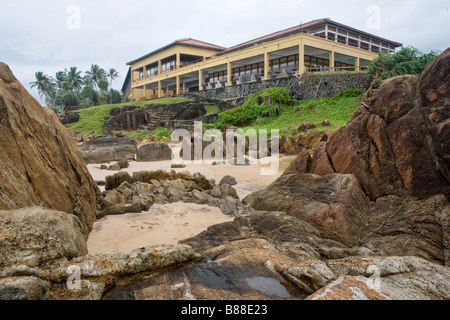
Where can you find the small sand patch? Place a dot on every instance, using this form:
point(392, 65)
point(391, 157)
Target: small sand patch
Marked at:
point(162, 224)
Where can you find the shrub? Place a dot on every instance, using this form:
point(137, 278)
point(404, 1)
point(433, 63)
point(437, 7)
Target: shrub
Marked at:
point(264, 104)
point(349, 93)
point(408, 60)
point(162, 134)
point(68, 99)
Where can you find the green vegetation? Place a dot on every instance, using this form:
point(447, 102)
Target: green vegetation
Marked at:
point(286, 115)
point(69, 88)
point(263, 104)
point(162, 134)
point(212, 109)
point(408, 60)
point(91, 119)
point(269, 109)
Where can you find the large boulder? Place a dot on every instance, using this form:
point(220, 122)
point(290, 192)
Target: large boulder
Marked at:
point(35, 236)
point(385, 278)
point(108, 150)
point(396, 142)
point(24, 288)
point(40, 163)
point(154, 152)
point(334, 204)
point(301, 164)
point(410, 227)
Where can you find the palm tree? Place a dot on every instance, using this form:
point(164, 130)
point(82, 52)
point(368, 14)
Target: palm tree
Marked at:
point(44, 85)
point(96, 74)
point(74, 79)
point(60, 80)
point(112, 74)
point(103, 86)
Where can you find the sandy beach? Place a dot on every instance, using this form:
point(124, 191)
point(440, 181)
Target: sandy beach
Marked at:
point(170, 223)
point(162, 224)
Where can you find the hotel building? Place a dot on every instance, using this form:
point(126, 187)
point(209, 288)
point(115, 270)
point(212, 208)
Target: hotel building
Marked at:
point(190, 65)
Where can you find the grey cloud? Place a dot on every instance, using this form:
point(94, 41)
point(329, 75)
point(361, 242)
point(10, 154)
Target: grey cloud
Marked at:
point(35, 36)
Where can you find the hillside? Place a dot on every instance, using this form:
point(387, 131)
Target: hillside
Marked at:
point(273, 109)
point(91, 119)
point(268, 109)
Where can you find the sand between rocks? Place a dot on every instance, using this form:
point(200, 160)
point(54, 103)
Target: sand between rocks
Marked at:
point(162, 224)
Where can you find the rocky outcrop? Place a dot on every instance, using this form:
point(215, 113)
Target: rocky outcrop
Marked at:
point(334, 204)
point(301, 164)
point(43, 255)
point(108, 150)
point(33, 237)
point(407, 226)
point(385, 278)
point(299, 143)
point(41, 165)
point(125, 194)
point(154, 152)
point(152, 116)
point(275, 256)
point(396, 143)
point(24, 288)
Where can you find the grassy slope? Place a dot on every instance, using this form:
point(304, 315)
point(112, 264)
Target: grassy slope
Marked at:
point(91, 119)
point(211, 109)
point(337, 112)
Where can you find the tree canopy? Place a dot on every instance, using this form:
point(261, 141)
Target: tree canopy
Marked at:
point(70, 88)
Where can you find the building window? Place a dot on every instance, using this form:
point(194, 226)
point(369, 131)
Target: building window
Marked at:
point(167, 66)
point(152, 71)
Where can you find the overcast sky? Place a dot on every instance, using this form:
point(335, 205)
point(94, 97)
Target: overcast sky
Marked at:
point(51, 35)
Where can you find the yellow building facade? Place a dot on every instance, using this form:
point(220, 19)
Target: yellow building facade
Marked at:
point(189, 65)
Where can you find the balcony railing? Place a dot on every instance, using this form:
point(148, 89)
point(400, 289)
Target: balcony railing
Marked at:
point(335, 69)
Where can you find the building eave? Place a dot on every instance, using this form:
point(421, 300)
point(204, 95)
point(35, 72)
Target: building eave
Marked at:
point(216, 48)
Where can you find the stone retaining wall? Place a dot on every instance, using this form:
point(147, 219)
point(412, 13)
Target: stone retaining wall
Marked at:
point(301, 88)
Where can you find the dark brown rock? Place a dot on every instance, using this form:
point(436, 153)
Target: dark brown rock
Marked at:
point(410, 227)
point(334, 204)
point(395, 143)
point(304, 127)
point(118, 209)
point(154, 152)
point(301, 164)
point(108, 150)
point(320, 163)
point(117, 179)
